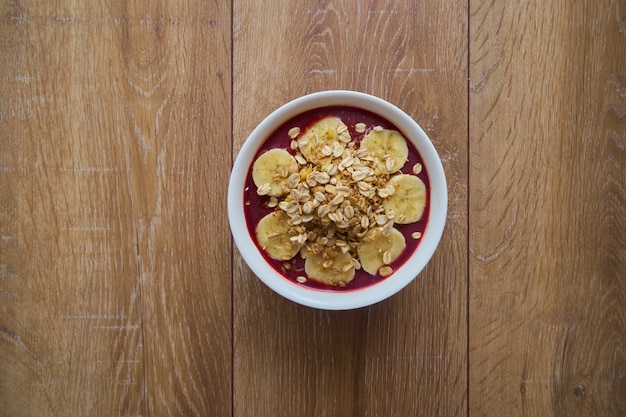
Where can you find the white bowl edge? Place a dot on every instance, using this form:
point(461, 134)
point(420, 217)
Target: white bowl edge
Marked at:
point(339, 300)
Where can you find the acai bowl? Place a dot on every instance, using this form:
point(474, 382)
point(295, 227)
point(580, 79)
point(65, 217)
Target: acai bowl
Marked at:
point(337, 200)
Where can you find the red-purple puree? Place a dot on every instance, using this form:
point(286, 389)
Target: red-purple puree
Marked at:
point(256, 206)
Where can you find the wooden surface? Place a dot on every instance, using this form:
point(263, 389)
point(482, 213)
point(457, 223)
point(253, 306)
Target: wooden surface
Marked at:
point(121, 293)
point(547, 315)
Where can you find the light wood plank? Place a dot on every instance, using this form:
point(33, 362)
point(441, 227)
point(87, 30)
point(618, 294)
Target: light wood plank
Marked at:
point(115, 260)
point(406, 355)
point(548, 208)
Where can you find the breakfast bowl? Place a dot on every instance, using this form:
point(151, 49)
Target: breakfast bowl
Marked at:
point(337, 200)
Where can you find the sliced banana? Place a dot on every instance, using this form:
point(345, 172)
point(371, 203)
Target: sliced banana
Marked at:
point(322, 135)
point(388, 147)
point(274, 236)
point(378, 250)
point(271, 169)
point(335, 270)
point(408, 200)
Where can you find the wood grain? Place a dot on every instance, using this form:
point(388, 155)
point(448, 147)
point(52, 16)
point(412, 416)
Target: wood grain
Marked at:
point(406, 355)
point(121, 293)
point(547, 208)
point(115, 255)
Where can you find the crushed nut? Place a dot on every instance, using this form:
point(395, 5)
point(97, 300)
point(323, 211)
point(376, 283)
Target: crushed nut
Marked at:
point(359, 175)
point(365, 222)
point(300, 160)
point(387, 257)
point(347, 267)
point(385, 271)
point(264, 189)
point(320, 177)
point(331, 169)
point(383, 193)
point(361, 153)
point(348, 212)
point(390, 164)
point(323, 210)
point(294, 132)
point(337, 150)
point(343, 190)
point(337, 200)
point(360, 127)
point(387, 228)
point(293, 180)
point(346, 162)
point(363, 186)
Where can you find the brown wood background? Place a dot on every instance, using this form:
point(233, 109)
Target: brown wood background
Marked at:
point(121, 293)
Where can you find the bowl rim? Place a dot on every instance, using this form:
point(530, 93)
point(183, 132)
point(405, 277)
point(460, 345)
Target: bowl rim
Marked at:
point(338, 300)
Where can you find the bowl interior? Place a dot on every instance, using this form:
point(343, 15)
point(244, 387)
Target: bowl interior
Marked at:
point(338, 300)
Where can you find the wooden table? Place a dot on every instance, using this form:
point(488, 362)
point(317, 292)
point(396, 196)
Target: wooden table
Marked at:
point(121, 293)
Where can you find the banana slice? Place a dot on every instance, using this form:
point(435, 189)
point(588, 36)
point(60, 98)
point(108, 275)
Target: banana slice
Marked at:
point(388, 147)
point(336, 270)
point(315, 142)
point(274, 237)
point(272, 169)
point(378, 250)
point(408, 200)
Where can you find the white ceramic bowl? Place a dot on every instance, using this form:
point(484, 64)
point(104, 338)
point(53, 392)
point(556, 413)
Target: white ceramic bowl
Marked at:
point(338, 300)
